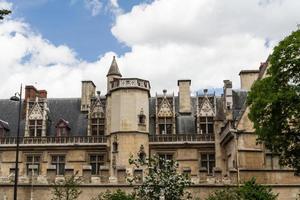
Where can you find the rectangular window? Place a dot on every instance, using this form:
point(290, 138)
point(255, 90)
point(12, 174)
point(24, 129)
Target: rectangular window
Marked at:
point(208, 161)
point(97, 126)
point(165, 129)
point(59, 162)
point(33, 165)
point(35, 128)
point(96, 161)
point(206, 125)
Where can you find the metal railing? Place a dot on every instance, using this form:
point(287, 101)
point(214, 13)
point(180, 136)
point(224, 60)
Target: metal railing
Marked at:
point(181, 138)
point(54, 140)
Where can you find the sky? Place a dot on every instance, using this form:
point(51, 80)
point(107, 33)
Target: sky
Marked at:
point(55, 44)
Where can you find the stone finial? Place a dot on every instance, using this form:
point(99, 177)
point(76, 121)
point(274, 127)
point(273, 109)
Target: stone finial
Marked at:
point(165, 92)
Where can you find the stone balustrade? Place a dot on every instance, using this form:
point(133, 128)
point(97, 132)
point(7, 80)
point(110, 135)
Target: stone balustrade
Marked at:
point(181, 138)
point(130, 83)
point(80, 140)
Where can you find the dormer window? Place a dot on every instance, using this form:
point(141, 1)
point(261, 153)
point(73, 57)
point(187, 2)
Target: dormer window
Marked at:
point(35, 128)
point(4, 128)
point(97, 125)
point(97, 116)
point(62, 128)
point(206, 125)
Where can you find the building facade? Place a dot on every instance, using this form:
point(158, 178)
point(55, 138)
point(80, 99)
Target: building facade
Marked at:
point(210, 136)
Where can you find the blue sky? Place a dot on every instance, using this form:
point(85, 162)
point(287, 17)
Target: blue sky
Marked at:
point(71, 23)
point(55, 44)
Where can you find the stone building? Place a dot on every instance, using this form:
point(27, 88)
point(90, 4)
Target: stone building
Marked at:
point(210, 136)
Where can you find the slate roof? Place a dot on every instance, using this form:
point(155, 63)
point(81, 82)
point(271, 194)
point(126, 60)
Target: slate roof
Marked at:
point(239, 100)
point(69, 109)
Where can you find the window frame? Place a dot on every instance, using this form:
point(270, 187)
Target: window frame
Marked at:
point(209, 166)
point(99, 124)
point(98, 162)
point(36, 127)
point(33, 162)
point(60, 166)
point(208, 122)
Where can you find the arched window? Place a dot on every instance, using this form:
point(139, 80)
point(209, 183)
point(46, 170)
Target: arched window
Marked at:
point(142, 117)
point(115, 147)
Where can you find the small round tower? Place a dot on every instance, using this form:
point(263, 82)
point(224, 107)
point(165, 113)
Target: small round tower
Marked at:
point(127, 121)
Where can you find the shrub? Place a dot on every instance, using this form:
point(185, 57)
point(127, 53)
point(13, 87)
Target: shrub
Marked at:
point(117, 195)
point(249, 191)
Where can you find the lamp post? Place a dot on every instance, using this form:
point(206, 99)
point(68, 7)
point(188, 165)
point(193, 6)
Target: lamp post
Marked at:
point(19, 99)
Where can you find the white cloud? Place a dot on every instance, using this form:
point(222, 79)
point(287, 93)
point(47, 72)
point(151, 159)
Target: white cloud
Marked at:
point(5, 5)
point(203, 40)
point(94, 6)
point(26, 57)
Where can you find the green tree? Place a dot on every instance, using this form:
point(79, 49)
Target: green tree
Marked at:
point(117, 195)
point(249, 191)
point(253, 191)
point(225, 194)
point(275, 102)
point(68, 189)
point(3, 13)
point(162, 179)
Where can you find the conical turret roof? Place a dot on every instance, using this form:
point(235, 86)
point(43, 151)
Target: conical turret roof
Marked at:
point(114, 69)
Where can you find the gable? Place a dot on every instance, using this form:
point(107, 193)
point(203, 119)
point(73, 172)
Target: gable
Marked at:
point(35, 113)
point(97, 109)
point(165, 109)
point(206, 109)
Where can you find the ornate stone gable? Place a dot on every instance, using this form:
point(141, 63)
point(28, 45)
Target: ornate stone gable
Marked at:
point(206, 108)
point(97, 109)
point(165, 109)
point(36, 112)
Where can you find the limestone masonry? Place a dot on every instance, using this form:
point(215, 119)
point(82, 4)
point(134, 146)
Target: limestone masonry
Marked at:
point(210, 136)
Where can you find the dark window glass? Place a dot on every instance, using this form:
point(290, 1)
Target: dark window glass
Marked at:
point(33, 165)
point(210, 128)
point(165, 128)
point(206, 125)
point(59, 162)
point(97, 126)
point(96, 161)
point(208, 162)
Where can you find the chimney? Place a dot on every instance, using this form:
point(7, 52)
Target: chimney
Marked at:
point(30, 92)
point(42, 94)
point(88, 89)
point(228, 100)
point(184, 96)
point(248, 77)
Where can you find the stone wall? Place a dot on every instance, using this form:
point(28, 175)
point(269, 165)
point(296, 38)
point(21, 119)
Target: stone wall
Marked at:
point(286, 192)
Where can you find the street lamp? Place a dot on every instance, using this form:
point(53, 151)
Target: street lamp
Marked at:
point(19, 99)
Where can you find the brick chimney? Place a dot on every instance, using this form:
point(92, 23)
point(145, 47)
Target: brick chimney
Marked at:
point(42, 94)
point(30, 92)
